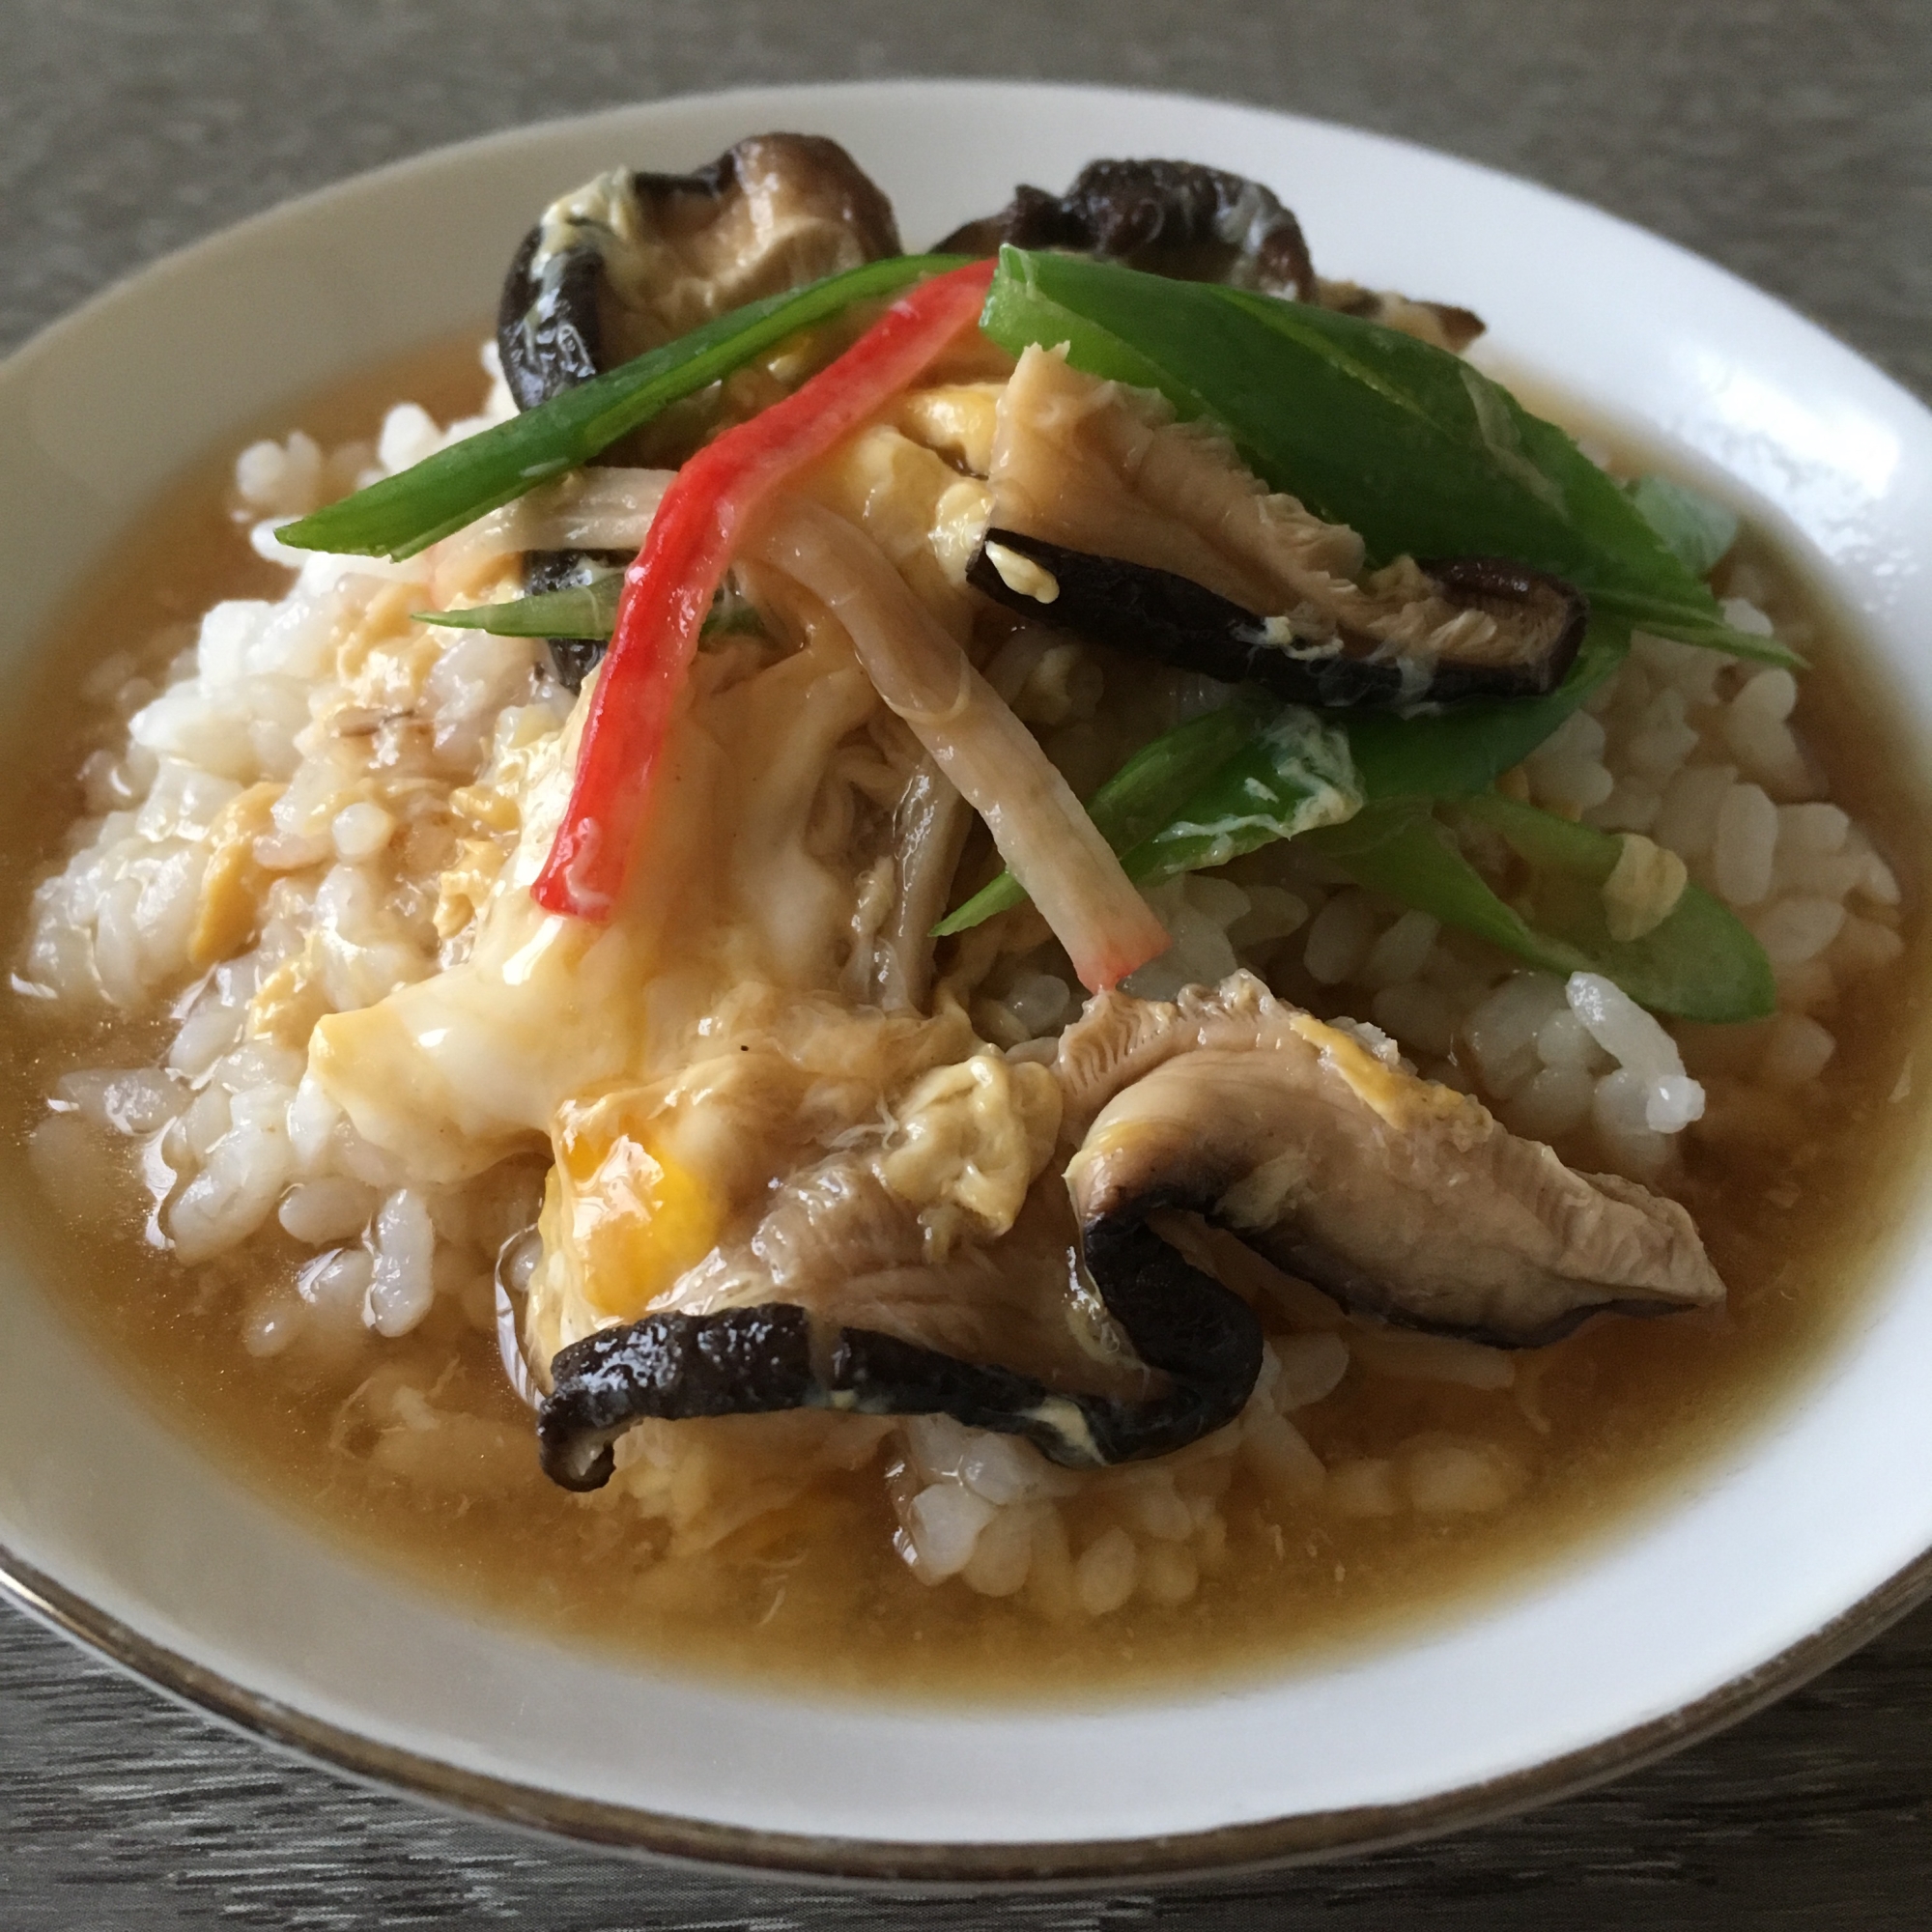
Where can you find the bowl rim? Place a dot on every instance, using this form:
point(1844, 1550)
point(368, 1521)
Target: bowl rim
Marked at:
point(1261, 1846)
point(1257, 1845)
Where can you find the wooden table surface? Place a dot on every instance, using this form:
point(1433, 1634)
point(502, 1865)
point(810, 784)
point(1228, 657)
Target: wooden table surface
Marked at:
point(1790, 139)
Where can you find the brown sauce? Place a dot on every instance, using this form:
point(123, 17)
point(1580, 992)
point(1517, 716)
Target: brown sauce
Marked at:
point(1608, 1423)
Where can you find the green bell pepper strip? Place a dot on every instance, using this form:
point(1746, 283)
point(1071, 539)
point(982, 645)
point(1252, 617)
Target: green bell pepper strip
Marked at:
point(1152, 810)
point(1406, 443)
point(1700, 963)
point(1141, 811)
point(1206, 792)
point(1145, 794)
point(407, 513)
point(1294, 776)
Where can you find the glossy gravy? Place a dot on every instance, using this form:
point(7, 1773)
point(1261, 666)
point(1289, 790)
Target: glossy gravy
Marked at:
point(1608, 1423)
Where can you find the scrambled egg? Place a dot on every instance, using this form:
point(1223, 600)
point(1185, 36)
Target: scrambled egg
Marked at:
point(971, 1138)
point(235, 883)
point(921, 511)
point(687, 1057)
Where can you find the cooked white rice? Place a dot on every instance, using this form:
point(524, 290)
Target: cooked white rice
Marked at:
point(310, 776)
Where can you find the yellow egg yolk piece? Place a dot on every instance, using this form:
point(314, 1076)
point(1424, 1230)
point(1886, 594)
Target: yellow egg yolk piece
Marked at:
point(635, 1216)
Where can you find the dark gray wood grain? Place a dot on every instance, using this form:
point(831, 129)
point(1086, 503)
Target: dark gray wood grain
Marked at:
point(1790, 139)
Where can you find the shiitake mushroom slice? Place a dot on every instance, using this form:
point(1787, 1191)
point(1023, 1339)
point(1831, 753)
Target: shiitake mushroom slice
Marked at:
point(1159, 614)
point(1203, 1339)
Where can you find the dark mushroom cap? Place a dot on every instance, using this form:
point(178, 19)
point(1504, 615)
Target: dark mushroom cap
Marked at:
point(771, 213)
point(1400, 1197)
point(775, 1356)
point(1170, 217)
point(1198, 224)
point(1447, 325)
point(550, 345)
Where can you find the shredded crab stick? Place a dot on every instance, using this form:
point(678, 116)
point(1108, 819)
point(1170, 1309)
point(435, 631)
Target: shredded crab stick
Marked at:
point(668, 588)
point(1042, 831)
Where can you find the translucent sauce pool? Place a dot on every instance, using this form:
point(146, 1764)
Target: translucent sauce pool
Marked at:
point(1794, 1200)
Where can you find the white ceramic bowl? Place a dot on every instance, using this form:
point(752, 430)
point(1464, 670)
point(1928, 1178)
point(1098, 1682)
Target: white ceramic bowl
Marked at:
point(1782, 1553)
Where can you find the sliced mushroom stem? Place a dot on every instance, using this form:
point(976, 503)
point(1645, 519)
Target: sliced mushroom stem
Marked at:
point(973, 737)
point(929, 829)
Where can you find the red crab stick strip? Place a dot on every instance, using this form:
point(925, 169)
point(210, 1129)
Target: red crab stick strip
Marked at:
point(668, 588)
point(1042, 831)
